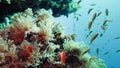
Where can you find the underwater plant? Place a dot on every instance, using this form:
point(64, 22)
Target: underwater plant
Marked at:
point(37, 41)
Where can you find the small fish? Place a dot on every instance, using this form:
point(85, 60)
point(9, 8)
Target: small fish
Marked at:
point(94, 16)
point(101, 35)
point(118, 50)
point(86, 50)
point(117, 38)
point(92, 4)
point(97, 51)
point(106, 12)
point(89, 33)
point(103, 27)
point(94, 37)
point(90, 10)
point(63, 57)
point(106, 53)
point(109, 20)
point(90, 25)
point(79, 14)
point(79, 1)
point(105, 22)
point(77, 18)
point(99, 13)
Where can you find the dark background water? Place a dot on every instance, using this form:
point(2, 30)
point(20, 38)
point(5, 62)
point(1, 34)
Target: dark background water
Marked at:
point(106, 43)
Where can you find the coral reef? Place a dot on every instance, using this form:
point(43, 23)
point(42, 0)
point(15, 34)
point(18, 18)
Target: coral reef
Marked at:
point(36, 41)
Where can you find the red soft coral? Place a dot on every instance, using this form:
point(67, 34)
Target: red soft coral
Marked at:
point(41, 37)
point(14, 62)
point(17, 34)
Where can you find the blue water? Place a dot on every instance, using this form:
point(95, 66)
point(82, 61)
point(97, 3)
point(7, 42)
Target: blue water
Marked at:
point(106, 43)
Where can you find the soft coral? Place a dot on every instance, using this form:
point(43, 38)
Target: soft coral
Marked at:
point(17, 34)
point(14, 62)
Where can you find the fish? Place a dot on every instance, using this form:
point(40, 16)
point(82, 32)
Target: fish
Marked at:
point(101, 35)
point(109, 20)
point(90, 10)
point(99, 13)
point(79, 1)
point(106, 53)
point(94, 16)
point(103, 27)
point(106, 12)
point(85, 51)
point(105, 22)
point(77, 18)
point(92, 4)
point(63, 57)
point(89, 33)
point(118, 50)
point(94, 37)
point(117, 38)
point(97, 51)
point(90, 25)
